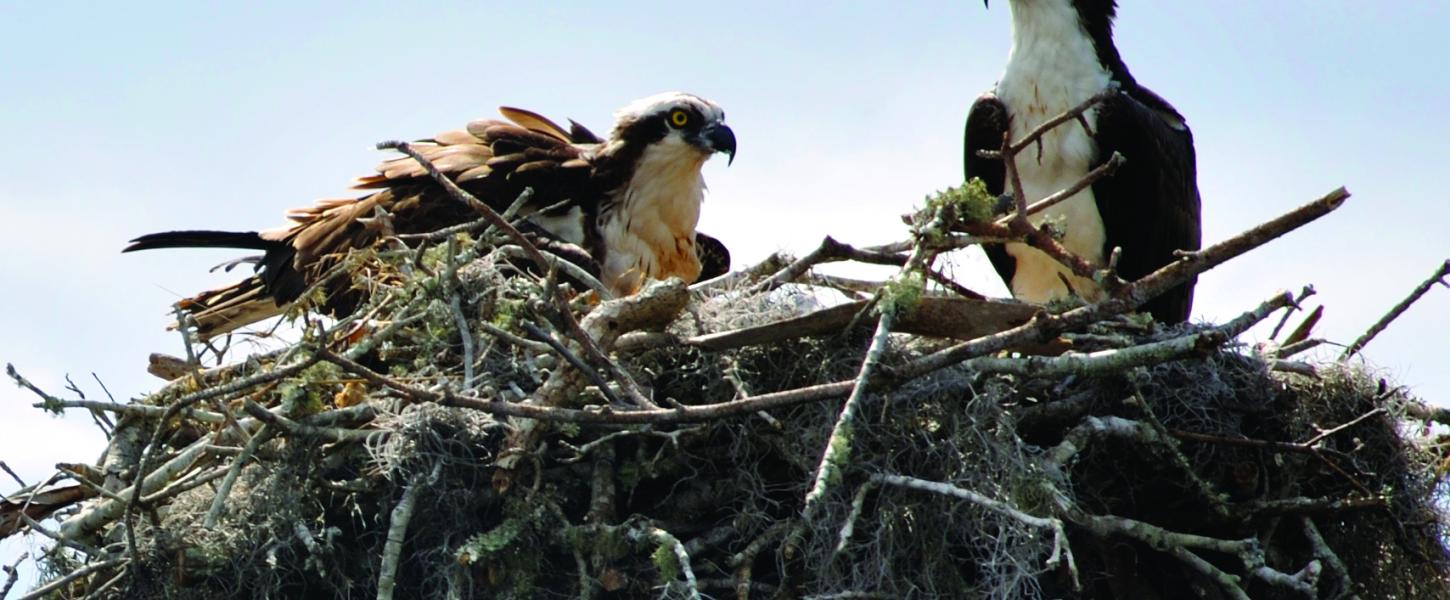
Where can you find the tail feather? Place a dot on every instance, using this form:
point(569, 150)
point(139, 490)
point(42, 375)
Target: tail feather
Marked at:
point(249, 240)
point(219, 311)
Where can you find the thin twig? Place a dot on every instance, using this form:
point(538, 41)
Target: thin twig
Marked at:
point(1306, 327)
point(1091, 177)
point(37, 527)
point(1180, 545)
point(48, 401)
point(1439, 277)
point(139, 410)
point(1228, 583)
point(1306, 506)
point(12, 574)
point(569, 269)
point(6, 468)
point(1328, 432)
point(946, 282)
point(1288, 350)
point(190, 482)
point(455, 305)
point(506, 336)
point(1046, 126)
point(1303, 295)
point(331, 434)
point(1167, 443)
point(214, 513)
point(1060, 548)
point(1272, 445)
point(61, 582)
point(829, 250)
point(1104, 361)
point(100, 590)
point(446, 233)
point(858, 505)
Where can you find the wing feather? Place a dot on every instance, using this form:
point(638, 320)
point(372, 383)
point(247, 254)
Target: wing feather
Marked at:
point(492, 159)
point(534, 122)
point(986, 124)
point(1151, 204)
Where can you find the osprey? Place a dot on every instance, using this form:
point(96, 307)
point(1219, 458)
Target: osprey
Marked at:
point(631, 201)
point(1062, 55)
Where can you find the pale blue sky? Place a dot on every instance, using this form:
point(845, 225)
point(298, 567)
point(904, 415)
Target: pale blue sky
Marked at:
point(119, 119)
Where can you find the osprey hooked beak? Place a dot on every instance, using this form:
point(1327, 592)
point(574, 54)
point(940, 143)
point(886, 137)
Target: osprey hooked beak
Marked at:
point(717, 137)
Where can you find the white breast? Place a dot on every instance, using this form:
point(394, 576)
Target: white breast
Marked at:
point(650, 231)
point(1052, 68)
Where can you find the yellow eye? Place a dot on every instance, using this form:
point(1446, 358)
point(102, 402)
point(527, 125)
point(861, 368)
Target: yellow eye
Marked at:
point(679, 118)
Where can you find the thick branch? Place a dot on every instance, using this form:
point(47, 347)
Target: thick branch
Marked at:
point(96, 516)
point(1135, 294)
point(397, 529)
point(838, 447)
point(1323, 552)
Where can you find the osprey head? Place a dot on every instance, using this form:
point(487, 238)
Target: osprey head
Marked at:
point(677, 119)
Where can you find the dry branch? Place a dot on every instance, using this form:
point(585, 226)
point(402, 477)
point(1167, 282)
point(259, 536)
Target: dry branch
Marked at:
point(1060, 547)
point(219, 502)
point(830, 250)
point(960, 318)
point(1136, 293)
point(87, 521)
point(1420, 290)
point(61, 582)
point(397, 529)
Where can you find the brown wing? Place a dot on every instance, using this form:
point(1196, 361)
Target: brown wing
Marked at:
point(493, 160)
point(38, 505)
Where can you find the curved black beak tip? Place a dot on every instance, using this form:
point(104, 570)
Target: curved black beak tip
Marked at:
point(721, 139)
point(984, 4)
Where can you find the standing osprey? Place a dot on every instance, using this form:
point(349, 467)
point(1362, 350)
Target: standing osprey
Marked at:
point(1062, 55)
point(632, 201)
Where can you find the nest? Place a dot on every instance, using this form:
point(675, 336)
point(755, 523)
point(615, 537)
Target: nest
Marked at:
point(476, 432)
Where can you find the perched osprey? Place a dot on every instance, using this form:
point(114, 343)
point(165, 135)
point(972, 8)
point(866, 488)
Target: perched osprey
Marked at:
point(1063, 54)
point(632, 201)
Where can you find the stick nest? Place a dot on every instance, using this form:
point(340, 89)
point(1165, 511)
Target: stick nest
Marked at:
point(1195, 446)
point(475, 431)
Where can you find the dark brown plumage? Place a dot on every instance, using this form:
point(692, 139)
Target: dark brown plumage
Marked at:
point(575, 176)
point(1150, 206)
